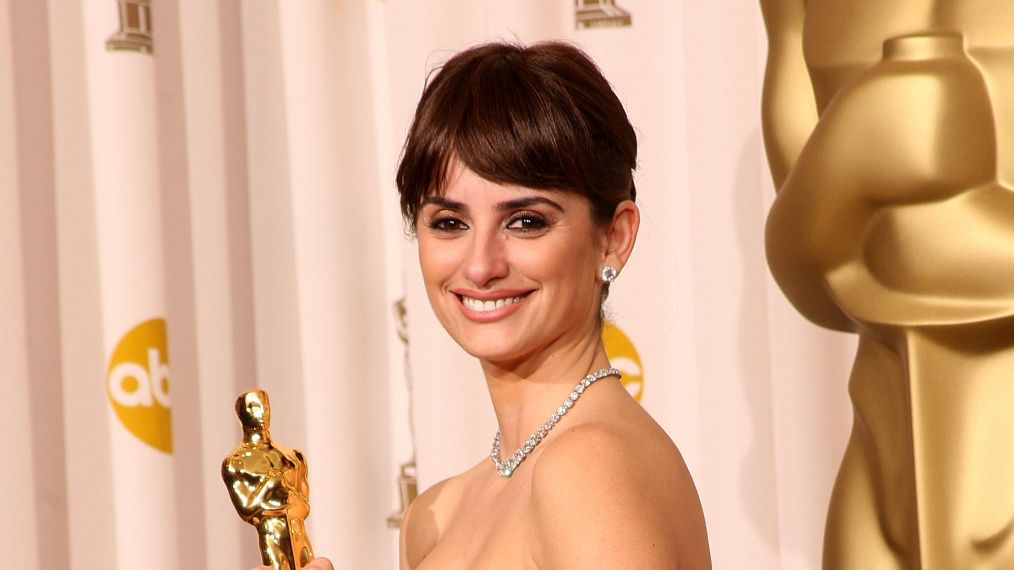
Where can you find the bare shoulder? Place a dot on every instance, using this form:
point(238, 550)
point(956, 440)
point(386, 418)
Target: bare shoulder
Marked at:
point(428, 516)
point(420, 529)
point(616, 494)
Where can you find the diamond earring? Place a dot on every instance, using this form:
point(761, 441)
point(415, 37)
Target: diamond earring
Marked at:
point(608, 274)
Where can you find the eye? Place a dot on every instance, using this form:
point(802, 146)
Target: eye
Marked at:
point(527, 222)
point(447, 224)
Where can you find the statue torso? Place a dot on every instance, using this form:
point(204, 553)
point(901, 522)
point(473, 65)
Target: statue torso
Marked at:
point(905, 158)
point(283, 472)
point(897, 221)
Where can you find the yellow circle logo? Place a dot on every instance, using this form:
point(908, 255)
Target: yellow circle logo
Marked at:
point(623, 355)
point(138, 384)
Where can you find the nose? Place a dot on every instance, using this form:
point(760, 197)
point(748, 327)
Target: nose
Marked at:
point(486, 259)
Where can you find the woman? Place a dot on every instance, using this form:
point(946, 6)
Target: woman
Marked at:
point(517, 181)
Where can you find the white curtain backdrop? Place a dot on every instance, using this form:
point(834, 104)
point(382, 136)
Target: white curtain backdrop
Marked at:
point(237, 182)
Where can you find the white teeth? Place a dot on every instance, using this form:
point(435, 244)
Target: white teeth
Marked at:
point(482, 306)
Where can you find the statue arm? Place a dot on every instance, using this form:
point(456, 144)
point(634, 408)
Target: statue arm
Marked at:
point(248, 501)
point(788, 109)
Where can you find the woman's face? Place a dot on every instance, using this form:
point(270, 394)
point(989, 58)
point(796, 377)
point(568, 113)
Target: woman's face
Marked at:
point(510, 271)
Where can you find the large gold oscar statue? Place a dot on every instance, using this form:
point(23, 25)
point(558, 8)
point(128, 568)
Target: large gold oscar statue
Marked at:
point(889, 127)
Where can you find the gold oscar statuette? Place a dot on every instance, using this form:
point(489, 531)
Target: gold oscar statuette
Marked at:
point(267, 483)
point(889, 128)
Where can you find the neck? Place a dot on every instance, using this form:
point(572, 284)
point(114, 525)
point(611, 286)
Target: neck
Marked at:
point(255, 436)
point(525, 392)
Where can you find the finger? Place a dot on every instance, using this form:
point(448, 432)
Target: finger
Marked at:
point(319, 564)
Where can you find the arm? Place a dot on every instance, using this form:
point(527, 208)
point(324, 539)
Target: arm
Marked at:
point(789, 110)
point(248, 499)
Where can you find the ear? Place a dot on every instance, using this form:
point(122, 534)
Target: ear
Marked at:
point(621, 234)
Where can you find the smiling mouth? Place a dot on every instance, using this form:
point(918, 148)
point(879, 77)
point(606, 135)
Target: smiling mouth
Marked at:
point(480, 306)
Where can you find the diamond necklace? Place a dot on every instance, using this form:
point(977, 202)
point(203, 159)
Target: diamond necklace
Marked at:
point(505, 467)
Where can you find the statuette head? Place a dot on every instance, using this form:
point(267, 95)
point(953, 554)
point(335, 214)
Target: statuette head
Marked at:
point(254, 410)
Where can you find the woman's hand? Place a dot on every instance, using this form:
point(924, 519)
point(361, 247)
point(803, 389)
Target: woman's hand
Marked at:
point(315, 564)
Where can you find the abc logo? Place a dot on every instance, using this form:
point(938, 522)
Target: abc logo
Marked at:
point(623, 355)
point(138, 384)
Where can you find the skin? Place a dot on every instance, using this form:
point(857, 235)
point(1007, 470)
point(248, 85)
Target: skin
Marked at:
point(607, 488)
point(585, 497)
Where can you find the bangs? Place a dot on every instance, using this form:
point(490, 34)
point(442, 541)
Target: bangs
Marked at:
point(510, 115)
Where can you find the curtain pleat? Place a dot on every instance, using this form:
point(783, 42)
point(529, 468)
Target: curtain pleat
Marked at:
point(123, 118)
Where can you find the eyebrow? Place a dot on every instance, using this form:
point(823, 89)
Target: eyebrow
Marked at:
point(443, 203)
point(527, 201)
point(502, 206)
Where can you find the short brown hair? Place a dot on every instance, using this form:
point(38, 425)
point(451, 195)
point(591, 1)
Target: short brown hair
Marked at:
point(540, 116)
